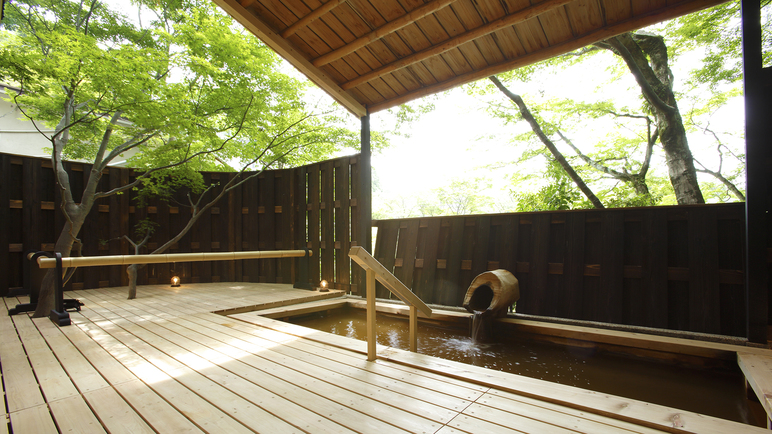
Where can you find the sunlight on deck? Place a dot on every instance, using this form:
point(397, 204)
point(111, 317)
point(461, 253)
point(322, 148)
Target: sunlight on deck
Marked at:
point(165, 362)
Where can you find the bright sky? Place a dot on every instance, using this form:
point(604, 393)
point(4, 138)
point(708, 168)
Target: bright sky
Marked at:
point(446, 144)
point(443, 144)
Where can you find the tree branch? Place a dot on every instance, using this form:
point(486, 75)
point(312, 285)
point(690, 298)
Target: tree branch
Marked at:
point(547, 142)
point(653, 137)
point(640, 69)
point(595, 164)
point(727, 183)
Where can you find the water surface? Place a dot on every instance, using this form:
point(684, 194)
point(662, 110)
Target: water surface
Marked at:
point(719, 393)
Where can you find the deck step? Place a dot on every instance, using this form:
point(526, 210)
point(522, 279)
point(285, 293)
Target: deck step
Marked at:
point(758, 372)
point(302, 309)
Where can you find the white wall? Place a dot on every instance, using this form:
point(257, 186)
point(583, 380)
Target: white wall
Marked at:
point(17, 134)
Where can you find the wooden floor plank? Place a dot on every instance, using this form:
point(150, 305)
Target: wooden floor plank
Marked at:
point(84, 376)
point(280, 362)
point(354, 378)
point(758, 372)
point(51, 377)
point(452, 395)
point(616, 407)
point(237, 406)
point(74, 415)
point(535, 419)
point(105, 363)
point(35, 419)
point(198, 410)
point(324, 402)
point(220, 296)
point(465, 423)
point(164, 363)
point(564, 416)
point(407, 411)
point(115, 413)
point(21, 387)
point(154, 409)
point(240, 342)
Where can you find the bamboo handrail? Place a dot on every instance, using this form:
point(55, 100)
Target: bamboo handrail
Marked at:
point(59, 314)
point(170, 257)
point(375, 270)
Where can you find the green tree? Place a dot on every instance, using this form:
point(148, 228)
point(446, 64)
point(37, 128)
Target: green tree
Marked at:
point(539, 132)
point(189, 91)
point(464, 196)
point(459, 197)
point(662, 124)
point(559, 193)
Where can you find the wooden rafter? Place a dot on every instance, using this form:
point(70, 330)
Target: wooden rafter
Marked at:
point(372, 55)
point(310, 18)
point(384, 30)
point(509, 20)
point(288, 51)
point(546, 53)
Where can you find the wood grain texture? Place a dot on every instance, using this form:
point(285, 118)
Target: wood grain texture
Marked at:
point(255, 216)
point(635, 267)
point(165, 363)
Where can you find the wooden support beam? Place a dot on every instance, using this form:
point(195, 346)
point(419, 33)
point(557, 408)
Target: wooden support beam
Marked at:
point(413, 329)
point(310, 18)
point(671, 11)
point(371, 334)
point(509, 20)
point(388, 28)
point(288, 51)
point(758, 166)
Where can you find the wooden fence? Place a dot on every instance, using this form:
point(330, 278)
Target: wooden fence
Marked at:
point(678, 267)
point(312, 206)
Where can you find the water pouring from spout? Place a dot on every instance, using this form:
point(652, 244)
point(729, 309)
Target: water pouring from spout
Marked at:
point(488, 297)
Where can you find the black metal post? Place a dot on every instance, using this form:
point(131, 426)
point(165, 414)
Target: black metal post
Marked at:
point(34, 289)
point(34, 293)
point(58, 315)
point(758, 90)
point(364, 233)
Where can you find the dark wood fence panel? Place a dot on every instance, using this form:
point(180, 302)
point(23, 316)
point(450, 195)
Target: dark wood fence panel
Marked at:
point(310, 207)
point(677, 267)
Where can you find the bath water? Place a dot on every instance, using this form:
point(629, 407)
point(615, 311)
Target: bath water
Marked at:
point(718, 393)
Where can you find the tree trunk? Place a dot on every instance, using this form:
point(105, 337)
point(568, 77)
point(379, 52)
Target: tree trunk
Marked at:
point(646, 57)
point(548, 143)
point(46, 300)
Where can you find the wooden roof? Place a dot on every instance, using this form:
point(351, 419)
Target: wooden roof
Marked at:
point(374, 54)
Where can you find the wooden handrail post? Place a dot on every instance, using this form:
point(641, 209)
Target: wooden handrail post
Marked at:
point(371, 337)
point(376, 270)
point(413, 329)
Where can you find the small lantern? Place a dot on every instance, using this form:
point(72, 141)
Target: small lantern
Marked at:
point(323, 286)
point(175, 281)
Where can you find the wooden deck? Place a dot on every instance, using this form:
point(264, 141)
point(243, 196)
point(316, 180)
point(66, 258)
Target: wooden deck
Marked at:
point(165, 363)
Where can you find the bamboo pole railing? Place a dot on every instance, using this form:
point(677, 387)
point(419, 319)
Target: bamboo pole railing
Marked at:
point(59, 314)
point(375, 270)
point(90, 261)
